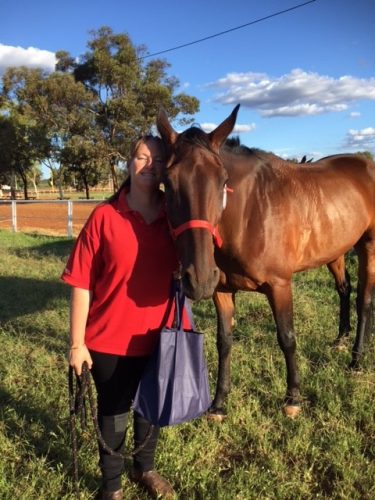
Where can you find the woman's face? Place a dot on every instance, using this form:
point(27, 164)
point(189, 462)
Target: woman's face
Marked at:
point(146, 164)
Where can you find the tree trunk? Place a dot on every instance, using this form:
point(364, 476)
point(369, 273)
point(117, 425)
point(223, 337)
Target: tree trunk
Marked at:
point(13, 186)
point(53, 173)
point(33, 180)
point(114, 176)
point(52, 184)
point(60, 183)
point(87, 189)
point(24, 181)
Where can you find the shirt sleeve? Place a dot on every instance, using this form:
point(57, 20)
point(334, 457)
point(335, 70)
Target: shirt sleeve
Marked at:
point(84, 262)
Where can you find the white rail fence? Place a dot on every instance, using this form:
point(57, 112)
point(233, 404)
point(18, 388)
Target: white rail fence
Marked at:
point(12, 217)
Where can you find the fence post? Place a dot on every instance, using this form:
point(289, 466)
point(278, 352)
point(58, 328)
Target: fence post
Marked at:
point(70, 219)
point(14, 216)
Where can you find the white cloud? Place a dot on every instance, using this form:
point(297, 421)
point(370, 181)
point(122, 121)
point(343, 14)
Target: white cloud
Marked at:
point(243, 129)
point(30, 57)
point(294, 94)
point(208, 127)
point(361, 139)
point(238, 129)
point(354, 114)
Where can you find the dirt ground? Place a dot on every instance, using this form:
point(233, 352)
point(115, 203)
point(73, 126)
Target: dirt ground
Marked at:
point(45, 217)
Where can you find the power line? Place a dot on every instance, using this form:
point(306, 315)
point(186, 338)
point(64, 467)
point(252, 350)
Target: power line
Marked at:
point(229, 30)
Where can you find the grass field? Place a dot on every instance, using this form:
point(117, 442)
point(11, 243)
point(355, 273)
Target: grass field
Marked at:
point(328, 452)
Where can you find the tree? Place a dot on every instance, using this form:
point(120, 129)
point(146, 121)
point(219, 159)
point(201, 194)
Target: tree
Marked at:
point(368, 154)
point(59, 106)
point(83, 160)
point(128, 91)
point(81, 119)
point(21, 143)
point(34, 175)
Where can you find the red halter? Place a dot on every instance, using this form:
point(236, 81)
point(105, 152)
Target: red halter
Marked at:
point(198, 224)
point(201, 224)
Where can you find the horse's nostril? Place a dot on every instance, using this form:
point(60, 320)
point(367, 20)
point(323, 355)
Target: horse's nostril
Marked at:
point(188, 280)
point(196, 289)
point(216, 274)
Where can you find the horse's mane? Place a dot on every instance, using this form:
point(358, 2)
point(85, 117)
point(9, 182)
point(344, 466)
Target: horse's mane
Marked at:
point(233, 145)
point(196, 136)
point(339, 155)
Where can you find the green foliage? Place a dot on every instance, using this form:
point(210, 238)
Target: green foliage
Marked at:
point(129, 91)
point(56, 106)
point(22, 143)
point(328, 452)
point(367, 154)
point(83, 157)
point(88, 112)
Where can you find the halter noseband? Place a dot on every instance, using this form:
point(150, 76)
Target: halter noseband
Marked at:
point(202, 224)
point(198, 224)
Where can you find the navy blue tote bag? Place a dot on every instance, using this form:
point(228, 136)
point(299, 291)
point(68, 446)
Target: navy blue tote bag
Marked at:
point(174, 386)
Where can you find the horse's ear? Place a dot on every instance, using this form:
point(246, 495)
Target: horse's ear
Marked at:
point(221, 132)
point(167, 132)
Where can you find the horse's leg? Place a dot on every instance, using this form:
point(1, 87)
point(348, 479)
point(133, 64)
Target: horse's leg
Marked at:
point(224, 304)
point(281, 301)
point(343, 287)
point(366, 281)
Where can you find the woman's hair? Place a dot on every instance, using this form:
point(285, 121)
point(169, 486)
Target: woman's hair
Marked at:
point(133, 151)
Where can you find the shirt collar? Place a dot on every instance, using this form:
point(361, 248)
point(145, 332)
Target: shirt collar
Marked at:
point(123, 206)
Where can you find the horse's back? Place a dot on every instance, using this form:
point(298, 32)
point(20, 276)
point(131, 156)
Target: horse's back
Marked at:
point(287, 217)
point(346, 182)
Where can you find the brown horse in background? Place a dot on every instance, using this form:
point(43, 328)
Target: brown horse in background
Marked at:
point(281, 218)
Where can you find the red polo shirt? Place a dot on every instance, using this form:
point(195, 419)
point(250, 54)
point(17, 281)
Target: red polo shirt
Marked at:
point(128, 266)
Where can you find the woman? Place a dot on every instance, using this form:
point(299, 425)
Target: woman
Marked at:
point(120, 271)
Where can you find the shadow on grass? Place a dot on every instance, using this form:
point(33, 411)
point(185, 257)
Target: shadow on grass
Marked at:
point(50, 444)
point(22, 296)
point(56, 247)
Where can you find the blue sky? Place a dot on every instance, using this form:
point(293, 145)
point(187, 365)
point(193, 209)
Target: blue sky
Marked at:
point(305, 79)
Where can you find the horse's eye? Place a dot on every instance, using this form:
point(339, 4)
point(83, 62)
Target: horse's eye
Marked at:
point(167, 184)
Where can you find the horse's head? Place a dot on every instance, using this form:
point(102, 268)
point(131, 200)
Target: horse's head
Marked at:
point(195, 185)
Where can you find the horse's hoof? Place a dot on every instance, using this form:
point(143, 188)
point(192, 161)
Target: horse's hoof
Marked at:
point(216, 415)
point(291, 411)
point(340, 348)
point(355, 369)
point(340, 345)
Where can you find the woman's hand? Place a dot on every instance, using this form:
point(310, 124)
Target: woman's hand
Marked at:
point(79, 310)
point(77, 356)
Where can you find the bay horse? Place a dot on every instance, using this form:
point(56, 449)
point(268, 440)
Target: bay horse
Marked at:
point(278, 219)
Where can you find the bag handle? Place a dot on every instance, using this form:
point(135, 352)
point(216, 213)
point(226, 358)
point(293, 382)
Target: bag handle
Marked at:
point(180, 303)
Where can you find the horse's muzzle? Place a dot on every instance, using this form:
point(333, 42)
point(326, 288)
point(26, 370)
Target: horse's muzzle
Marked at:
point(196, 289)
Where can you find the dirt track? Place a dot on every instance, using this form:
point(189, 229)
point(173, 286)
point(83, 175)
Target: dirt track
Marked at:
point(45, 217)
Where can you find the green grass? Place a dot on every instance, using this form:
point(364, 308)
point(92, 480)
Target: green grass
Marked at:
point(328, 452)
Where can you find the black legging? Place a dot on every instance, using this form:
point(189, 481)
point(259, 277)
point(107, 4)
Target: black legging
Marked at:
point(116, 380)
